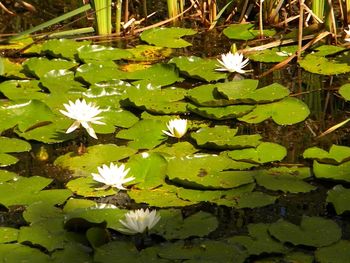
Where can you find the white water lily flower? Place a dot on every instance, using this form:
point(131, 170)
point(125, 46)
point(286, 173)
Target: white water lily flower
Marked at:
point(233, 62)
point(83, 114)
point(347, 32)
point(177, 128)
point(112, 176)
point(138, 221)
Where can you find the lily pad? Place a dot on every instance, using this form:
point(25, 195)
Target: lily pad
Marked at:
point(179, 149)
point(38, 67)
point(88, 187)
point(259, 241)
point(265, 152)
point(244, 32)
point(167, 37)
point(63, 48)
point(207, 95)
point(313, 231)
point(8, 234)
point(10, 69)
point(255, 199)
point(145, 134)
point(336, 253)
point(336, 155)
point(323, 66)
point(221, 113)
point(173, 226)
point(83, 165)
point(149, 53)
point(99, 71)
point(194, 171)
point(286, 179)
point(339, 196)
point(284, 112)
point(339, 172)
point(11, 145)
point(20, 253)
point(222, 137)
point(274, 55)
point(91, 53)
point(149, 170)
point(199, 68)
point(344, 90)
point(22, 89)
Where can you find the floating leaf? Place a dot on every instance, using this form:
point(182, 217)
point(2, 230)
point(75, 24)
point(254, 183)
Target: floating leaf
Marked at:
point(99, 71)
point(222, 137)
point(8, 234)
point(11, 145)
point(145, 134)
point(340, 198)
point(221, 113)
point(96, 155)
point(326, 50)
point(149, 53)
point(91, 53)
point(255, 199)
point(194, 171)
point(344, 90)
point(173, 226)
point(88, 187)
point(265, 152)
point(286, 179)
point(63, 48)
point(274, 55)
point(323, 66)
point(10, 69)
point(199, 68)
point(336, 155)
point(244, 31)
point(22, 89)
point(284, 112)
point(21, 253)
point(125, 252)
point(336, 253)
point(148, 169)
point(167, 37)
point(313, 231)
point(179, 149)
point(259, 241)
point(38, 67)
point(333, 172)
point(207, 95)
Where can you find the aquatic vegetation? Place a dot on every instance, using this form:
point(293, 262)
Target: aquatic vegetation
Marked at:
point(112, 176)
point(233, 63)
point(83, 114)
point(139, 221)
point(176, 128)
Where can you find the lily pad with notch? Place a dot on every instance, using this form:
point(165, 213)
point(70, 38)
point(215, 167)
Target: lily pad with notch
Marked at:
point(11, 145)
point(245, 31)
point(336, 253)
point(337, 154)
point(339, 172)
point(63, 48)
point(339, 196)
point(207, 95)
point(91, 53)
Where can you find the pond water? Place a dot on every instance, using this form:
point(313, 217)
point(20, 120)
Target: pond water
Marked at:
point(249, 181)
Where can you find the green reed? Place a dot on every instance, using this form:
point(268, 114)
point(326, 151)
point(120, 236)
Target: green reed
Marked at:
point(103, 11)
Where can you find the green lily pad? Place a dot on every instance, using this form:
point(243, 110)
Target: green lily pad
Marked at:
point(313, 231)
point(284, 112)
point(11, 145)
point(220, 197)
point(179, 149)
point(124, 251)
point(336, 155)
point(152, 197)
point(323, 66)
point(83, 165)
point(88, 187)
point(259, 241)
point(29, 190)
point(222, 137)
point(8, 234)
point(326, 50)
point(14, 253)
point(339, 196)
point(173, 226)
point(202, 250)
point(72, 252)
point(145, 134)
point(7, 176)
point(24, 114)
point(22, 89)
point(10, 69)
point(244, 32)
point(255, 199)
point(199, 68)
point(221, 113)
point(91, 53)
point(344, 90)
point(38, 67)
point(274, 55)
point(99, 71)
point(194, 171)
point(339, 172)
point(285, 179)
point(265, 152)
point(207, 95)
point(159, 101)
point(148, 169)
point(244, 91)
point(63, 48)
point(336, 253)
point(167, 37)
